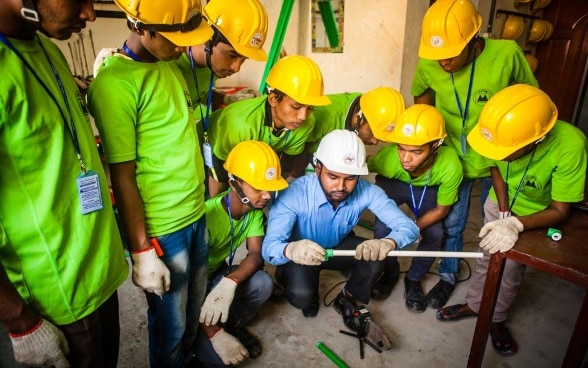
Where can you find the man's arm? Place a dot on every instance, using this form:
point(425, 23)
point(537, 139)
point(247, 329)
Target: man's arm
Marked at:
point(500, 189)
point(279, 228)
point(15, 314)
point(251, 263)
point(432, 216)
point(427, 98)
point(556, 214)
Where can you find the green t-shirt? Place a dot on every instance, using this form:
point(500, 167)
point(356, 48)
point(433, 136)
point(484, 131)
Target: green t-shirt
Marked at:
point(331, 117)
point(248, 120)
point(219, 230)
point(144, 114)
point(198, 90)
point(62, 263)
point(446, 173)
point(557, 171)
point(500, 64)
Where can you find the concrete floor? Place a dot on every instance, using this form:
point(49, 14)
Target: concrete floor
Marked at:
point(541, 320)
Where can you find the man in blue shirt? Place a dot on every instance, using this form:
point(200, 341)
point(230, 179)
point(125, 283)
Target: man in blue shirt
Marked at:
point(318, 212)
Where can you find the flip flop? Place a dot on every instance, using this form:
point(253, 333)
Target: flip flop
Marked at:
point(455, 313)
point(502, 341)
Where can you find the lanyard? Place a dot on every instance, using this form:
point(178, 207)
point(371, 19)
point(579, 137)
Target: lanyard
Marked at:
point(69, 123)
point(285, 141)
point(519, 187)
point(130, 52)
point(204, 119)
point(464, 112)
point(415, 208)
point(232, 247)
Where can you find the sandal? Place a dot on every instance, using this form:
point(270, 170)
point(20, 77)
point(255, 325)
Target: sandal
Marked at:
point(455, 313)
point(502, 340)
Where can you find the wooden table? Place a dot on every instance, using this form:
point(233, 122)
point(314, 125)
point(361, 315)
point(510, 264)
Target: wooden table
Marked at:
point(567, 259)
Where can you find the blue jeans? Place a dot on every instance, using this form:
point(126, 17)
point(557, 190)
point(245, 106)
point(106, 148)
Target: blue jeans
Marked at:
point(249, 297)
point(432, 236)
point(455, 225)
point(173, 318)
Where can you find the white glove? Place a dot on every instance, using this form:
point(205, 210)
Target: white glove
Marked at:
point(374, 249)
point(43, 346)
point(102, 55)
point(305, 252)
point(228, 348)
point(241, 94)
point(500, 235)
point(218, 302)
point(149, 272)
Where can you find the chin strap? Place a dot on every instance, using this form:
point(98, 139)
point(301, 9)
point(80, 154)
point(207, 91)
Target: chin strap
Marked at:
point(240, 192)
point(29, 11)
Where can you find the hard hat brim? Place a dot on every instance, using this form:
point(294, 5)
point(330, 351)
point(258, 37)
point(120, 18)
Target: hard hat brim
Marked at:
point(251, 53)
point(196, 37)
point(486, 148)
point(274, 185)
point(313, 101)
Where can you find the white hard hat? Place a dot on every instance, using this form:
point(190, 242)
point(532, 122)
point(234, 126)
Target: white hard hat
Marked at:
point(342, 151)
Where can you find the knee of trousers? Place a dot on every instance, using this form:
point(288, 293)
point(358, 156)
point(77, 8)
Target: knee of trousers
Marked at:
point(260, 285)
point(301, 298)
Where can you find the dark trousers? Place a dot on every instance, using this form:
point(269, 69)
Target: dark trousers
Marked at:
point(94, 340)
point(302, 282)
point(432, 237)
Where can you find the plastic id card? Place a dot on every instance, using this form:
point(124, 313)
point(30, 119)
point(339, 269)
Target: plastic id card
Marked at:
point(207, 151)
point(89, 192)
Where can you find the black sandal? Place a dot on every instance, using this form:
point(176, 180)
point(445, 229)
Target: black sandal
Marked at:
point(455, 313)
point(251, 343)
point(502, 340)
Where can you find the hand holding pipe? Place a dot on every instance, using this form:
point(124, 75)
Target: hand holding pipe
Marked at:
point(408, 253)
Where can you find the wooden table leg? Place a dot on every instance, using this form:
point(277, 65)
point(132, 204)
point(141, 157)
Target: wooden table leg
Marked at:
point(488, 302)
point(579, 340)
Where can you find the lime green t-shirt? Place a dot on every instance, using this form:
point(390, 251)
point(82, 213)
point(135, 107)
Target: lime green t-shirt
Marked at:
point(500, 64)
point(246, 120)
point(144, 114)
point(198, 89)
point(62, 263)
point(219, 230)
point(446, 173)
point(557, 171)
point(331, 117)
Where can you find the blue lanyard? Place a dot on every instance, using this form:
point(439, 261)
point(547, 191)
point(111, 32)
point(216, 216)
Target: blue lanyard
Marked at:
point(415, 208)
point(69, 123)
point(232, 247)
point(130, 52)
point(464, 113)
point(520, 186)
point(204, 119)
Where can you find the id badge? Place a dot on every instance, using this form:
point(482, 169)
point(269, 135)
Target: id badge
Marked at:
point(89, 192)
point(463, 144)
point(207, 150)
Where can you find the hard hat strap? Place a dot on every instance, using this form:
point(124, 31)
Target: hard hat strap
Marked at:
point(190, 25)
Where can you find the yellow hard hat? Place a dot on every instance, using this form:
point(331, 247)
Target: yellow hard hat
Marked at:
point(539, 4)
point(518, 3)
point(512, 119)
point(447, 28)
point(257, 164)
point(513, 27)
point(533, 62)
point(180, 21)
point(300, 78)
point(418, 125)
point(548, 32)
point(244, 25)
point(381, 107)
point(538, 31)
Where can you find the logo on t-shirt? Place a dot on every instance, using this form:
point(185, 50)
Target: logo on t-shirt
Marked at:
point(532, 183)
point(482, 96)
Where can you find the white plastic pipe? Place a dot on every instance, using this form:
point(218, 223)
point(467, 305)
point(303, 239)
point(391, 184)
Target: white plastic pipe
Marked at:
point(415, 253)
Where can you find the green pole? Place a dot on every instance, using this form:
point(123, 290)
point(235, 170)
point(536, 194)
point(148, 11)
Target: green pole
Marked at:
point(334, 358)
point(278, 40)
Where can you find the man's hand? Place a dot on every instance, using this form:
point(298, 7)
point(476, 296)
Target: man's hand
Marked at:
point(42, 346)
point(149, 272)
point(305, 252)
point(500, 235)
point(374, 249)
point(241, 94)
point(228, 348)
point(218, 302)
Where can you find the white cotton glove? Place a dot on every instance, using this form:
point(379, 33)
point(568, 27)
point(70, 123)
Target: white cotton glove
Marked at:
point(500, 235)
point(43, 346)
point(305, 252)
point(241, 94)
point(218, 302)
point(374, 249)
point(103, 54)
point(149, 272)
point(228, 348)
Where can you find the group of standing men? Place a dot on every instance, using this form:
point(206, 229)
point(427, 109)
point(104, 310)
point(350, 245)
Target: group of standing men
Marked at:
point(152, 102)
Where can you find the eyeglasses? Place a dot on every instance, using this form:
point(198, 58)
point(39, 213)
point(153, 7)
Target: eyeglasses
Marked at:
point(188, 26)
